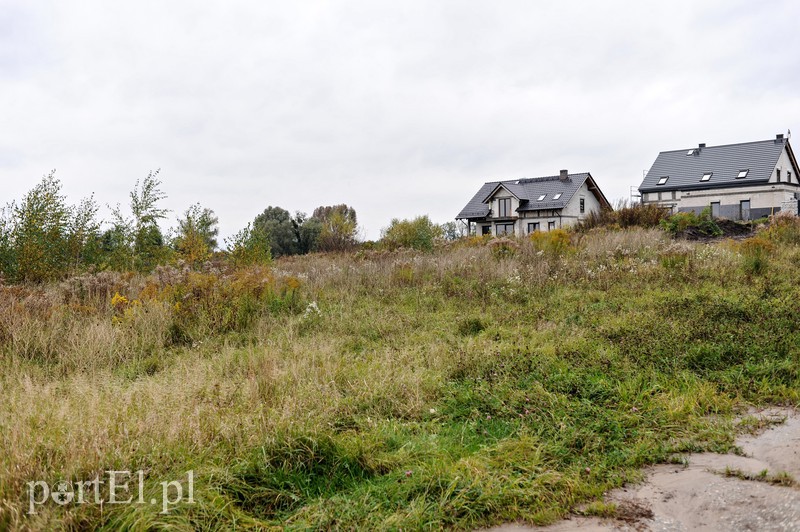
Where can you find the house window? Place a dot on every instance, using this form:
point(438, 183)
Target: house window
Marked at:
point(788, 176)
point(663, 180)
point(715, 209)
point(583, 205)
point(742, 174)
point(557, 196)
point(706, 176)
point(551, 226)
point(504, 207)
point(690, 152)
point(744, 209)
point(533, 226)
point(486, 230)
point(659, 196)
point(674, 195)
point(541, 198)
point(778, 173)
point(505, 229)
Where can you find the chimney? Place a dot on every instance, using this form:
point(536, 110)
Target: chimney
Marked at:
point(563, 175)
point(779, 136)
point(701, 145)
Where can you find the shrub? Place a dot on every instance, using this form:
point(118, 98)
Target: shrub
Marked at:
point(503, 247)
point(783, 228)
point(556, 241)
point(249, 246)
point(755, 255)
point(689, 222)
point(418, 233)
point(624, 216)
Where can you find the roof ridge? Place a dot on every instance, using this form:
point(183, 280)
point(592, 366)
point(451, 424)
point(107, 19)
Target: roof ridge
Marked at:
point(723, 145)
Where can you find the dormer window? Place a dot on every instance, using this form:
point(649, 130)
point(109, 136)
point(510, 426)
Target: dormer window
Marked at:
point(541, 198)
point(706, 176)
point(557, 196)
point(663, 180)
point(742, 174)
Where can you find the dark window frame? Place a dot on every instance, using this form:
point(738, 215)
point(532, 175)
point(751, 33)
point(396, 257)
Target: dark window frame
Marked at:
point(534, 225)
point(583, 205)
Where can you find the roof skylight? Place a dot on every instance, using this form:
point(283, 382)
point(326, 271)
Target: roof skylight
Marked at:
point(742, 174)
point(556, 196)
point(690, 152)
point(541, 198)
point(663, 180)
point(706, 176)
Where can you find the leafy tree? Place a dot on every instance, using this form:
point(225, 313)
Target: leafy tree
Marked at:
point(83, 246)
point(339, 227)
point(249, 246)
point(280, 230)
point(418, 233)
point(43, 238)
point(137, 243)
point(450, 231)
point(308, 232)
point(197, 234)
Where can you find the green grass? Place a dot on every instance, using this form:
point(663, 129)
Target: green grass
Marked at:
point(449, 389)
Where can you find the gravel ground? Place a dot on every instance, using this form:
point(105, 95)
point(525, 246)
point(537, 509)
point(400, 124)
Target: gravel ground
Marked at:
point(699, 496)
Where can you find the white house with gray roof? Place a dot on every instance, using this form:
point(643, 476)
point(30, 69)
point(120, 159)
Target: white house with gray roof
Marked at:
point(522, 206)
point(742, 181)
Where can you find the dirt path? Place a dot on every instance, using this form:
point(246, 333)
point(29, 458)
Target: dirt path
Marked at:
point(700, 496)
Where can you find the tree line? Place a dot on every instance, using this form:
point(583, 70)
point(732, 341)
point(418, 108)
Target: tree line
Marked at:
point(43, 237)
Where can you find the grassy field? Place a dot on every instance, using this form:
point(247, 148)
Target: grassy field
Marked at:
point(468, 386)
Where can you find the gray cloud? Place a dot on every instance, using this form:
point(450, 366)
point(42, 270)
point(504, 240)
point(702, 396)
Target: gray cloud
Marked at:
point(397, 108)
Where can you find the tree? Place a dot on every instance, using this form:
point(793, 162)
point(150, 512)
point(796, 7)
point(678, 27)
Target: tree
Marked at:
point(308, 231)
point(249, 246)
point(280, 230)
point(450, 231)
point(196, 236)
point(43, 238)
point(418, 233)
point(137, 243)
point(339, 227)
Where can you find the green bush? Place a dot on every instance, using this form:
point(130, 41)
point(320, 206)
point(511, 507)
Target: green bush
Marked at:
point(702, 223)
point(418, 233)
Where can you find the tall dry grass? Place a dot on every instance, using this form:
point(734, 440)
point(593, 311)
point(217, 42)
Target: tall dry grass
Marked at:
point(494, 378)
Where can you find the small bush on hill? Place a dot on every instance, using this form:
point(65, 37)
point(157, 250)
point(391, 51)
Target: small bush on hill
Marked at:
point(556, 241)
point(624, 216)
point(419, 233)
point(783, 228)
point(683, 222)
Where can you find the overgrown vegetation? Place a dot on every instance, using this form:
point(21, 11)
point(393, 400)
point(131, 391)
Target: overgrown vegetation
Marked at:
point(624, 216)
point(683, 222)
point(459, 387)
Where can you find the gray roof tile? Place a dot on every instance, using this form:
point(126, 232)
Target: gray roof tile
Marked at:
point(724, 162)
point(528, 190)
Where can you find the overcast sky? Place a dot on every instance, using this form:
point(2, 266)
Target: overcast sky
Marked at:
point(398, 108)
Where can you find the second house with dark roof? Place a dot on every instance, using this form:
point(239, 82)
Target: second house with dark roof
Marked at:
point(742, 181)
point(522, 206)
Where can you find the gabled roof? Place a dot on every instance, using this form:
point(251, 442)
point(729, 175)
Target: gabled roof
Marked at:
point(724, 162)
point(528, 192)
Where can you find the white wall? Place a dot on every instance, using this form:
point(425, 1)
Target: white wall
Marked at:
point(784, 164)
